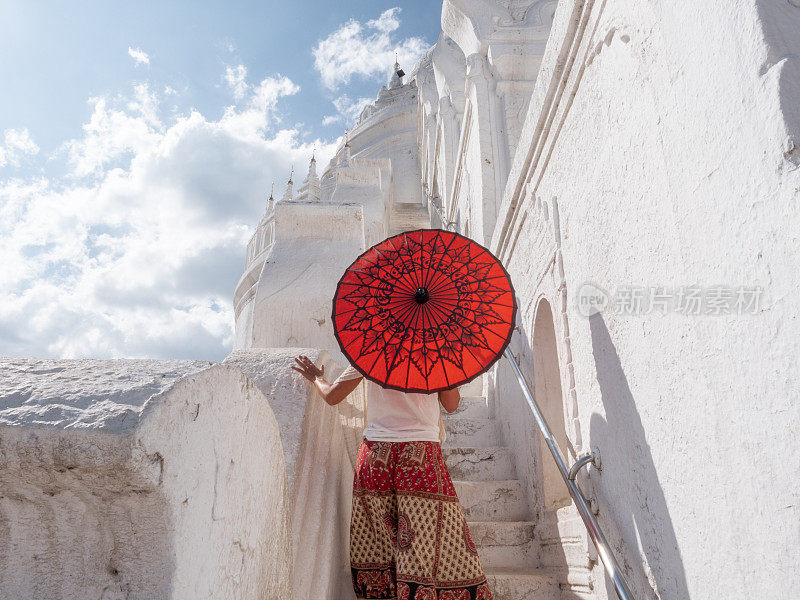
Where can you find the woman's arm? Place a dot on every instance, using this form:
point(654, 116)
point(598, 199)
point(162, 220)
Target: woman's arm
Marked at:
point(332, 393)
point(450, 399)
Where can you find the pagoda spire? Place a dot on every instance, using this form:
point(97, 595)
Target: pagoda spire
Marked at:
point(310, 188)
point(287, 195)
point(346, 147)
point(271, 199)
point(396, 79)
point(312, 167)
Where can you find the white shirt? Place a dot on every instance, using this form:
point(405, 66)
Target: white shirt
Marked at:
point(395, 416)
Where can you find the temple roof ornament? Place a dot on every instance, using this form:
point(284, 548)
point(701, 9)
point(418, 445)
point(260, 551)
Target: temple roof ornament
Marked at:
point(287, 195)
point(312, 167)
point(271, 199)
point(396, 79)
point(345, 157)
point(310, 188)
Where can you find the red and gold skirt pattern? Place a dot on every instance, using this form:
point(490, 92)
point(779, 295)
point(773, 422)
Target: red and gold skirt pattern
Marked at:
point(409, 539)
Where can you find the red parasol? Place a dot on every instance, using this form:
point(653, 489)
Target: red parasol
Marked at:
point(424, 311)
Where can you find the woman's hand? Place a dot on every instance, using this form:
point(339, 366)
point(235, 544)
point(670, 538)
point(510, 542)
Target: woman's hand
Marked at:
point(308, 369)
point(331, 393)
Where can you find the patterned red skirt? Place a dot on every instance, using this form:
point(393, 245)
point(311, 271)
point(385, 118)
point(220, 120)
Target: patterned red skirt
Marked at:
point(409, 539)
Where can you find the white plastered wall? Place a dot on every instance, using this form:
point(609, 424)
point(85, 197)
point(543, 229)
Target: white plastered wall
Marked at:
point(659, 150)
point(315, 243)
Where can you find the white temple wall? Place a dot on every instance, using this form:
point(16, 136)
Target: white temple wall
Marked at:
point(440, 80)
point(244, 321)
point(401, 151)
point(314, 244)
point(394, 137)
point(659, 150)
point(446, 151)
point(284, 297)
point(484, 64)
point(471, 201)
point(366, 183)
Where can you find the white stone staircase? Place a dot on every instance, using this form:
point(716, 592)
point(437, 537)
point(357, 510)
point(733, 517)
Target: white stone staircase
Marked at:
point(494, 502)
point(407, 217)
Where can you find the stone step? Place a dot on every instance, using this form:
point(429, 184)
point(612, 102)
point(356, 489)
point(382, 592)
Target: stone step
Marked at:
point(479, 464)
point(578, 593)
point(556, 553)
point(576, 582)
point(501, 500)
point(473, 388)
point(473, 407)
point(564, 540)
point(409, 216)
point(522, 584)
point(505, 544)
point(475, 433)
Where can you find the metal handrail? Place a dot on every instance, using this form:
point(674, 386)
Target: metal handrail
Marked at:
point(449, 225)
point(584, 507)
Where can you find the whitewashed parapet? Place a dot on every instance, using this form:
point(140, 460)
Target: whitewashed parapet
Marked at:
point(139, 479)
point(320, 443)
point(145, 479)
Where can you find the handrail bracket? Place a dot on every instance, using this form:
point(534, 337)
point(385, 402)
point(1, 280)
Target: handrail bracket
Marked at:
point(592, 458)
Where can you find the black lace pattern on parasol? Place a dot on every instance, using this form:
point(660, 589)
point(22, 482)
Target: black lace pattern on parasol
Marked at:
point(424, 311)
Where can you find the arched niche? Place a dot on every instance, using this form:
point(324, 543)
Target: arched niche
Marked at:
point(548, 392)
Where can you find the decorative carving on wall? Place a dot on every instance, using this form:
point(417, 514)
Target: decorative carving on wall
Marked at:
point(526, 12)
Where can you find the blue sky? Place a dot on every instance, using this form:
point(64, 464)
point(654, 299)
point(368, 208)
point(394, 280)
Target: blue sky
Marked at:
point(137, 141)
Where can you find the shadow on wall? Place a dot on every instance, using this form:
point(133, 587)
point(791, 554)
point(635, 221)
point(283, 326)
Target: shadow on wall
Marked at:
point(781, 21)
point(631, 478)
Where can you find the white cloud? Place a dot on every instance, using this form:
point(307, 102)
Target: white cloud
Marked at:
point(348, 110)
point(367, 50)
point(351, 108)
point(145, 103)
point(235, 78)
point(16, 144)
point(387, 22)
point(139, 56)
point(266, 93)
point(137, 251)
point(111, 134)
